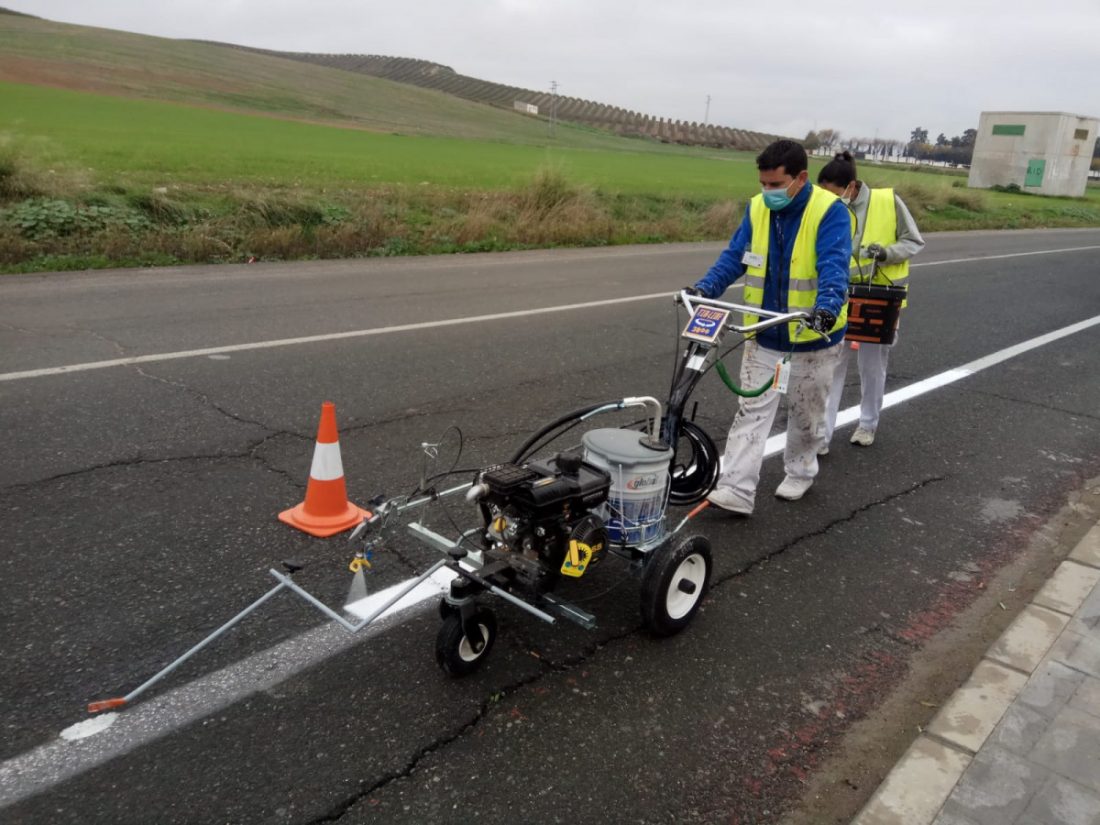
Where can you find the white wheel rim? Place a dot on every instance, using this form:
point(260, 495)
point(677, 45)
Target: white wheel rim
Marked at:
point(466, 652)
point(692, 569)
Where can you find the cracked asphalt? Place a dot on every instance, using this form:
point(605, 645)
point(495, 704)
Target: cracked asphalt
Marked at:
point(138, 513)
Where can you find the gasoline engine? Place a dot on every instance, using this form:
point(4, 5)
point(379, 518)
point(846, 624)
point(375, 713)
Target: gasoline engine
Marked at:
point(543, 518)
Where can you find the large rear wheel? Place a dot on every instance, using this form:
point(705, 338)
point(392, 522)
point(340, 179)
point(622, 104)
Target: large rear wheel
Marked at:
point(674, 584)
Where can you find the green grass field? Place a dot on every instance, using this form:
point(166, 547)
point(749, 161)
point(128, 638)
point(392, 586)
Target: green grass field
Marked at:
point(132, 150)
point(140, 143)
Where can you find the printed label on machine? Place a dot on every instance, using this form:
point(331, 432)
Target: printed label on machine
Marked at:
point(706, 324)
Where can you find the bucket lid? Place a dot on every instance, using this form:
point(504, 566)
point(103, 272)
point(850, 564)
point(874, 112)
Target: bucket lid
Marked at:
point(623, 446)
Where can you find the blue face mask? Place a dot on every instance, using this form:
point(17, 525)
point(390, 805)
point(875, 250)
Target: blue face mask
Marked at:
point(777, 198)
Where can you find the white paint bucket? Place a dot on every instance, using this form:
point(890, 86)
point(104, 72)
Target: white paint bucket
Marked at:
point(635, 508)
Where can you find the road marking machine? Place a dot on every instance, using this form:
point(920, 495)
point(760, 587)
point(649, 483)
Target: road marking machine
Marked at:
point(544, 520)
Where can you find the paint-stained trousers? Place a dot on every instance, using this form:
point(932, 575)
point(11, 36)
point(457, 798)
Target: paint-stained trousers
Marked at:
point(807, 391)
point(872, 360)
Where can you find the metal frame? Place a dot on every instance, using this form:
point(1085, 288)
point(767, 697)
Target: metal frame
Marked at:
point(468, 566)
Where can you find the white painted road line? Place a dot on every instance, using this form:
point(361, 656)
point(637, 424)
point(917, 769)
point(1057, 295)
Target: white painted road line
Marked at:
point(776, 443)
point(472, 319)
point(1006, 255)
point(331, 336)
point(35, 771)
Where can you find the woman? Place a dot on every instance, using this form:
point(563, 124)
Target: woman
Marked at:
point(884, 233)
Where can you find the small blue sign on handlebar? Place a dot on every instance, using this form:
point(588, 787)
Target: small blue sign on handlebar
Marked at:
point(706, 324)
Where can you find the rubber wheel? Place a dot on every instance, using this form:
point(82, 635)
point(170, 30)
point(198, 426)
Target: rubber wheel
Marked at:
point(674, 585)
point(446, 609)
point(453, 650)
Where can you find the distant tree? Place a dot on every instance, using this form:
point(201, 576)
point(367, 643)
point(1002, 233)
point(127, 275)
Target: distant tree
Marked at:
point(969, 137)
point(941, 139)
point(918, 138)
point(828, 138)
point(956, 142)
point(811, 142)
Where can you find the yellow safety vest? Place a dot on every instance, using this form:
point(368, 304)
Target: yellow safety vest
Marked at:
point(881, 227)
point(802, 279)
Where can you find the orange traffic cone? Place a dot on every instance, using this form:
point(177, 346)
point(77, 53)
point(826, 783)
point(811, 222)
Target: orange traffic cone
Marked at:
point(326, 509)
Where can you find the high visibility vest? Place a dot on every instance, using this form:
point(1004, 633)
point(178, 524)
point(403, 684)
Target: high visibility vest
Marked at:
point(881, 227)
point(802, 279)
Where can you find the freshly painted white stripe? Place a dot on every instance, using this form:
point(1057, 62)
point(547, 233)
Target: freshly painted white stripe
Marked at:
point(39, 769)
point(327, 465)
point(1006, 255)
point(473, 319)
point(776, 443)
point(438, 584)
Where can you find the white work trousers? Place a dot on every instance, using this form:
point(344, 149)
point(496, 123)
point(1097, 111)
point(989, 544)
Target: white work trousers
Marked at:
point(872, 360)
point(807, 391)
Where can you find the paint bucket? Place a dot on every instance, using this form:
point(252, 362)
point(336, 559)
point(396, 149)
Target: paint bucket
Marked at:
point(873, 312)
point(635, 508)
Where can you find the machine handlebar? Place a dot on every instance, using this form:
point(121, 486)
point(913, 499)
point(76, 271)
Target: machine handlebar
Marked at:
point(769, 318)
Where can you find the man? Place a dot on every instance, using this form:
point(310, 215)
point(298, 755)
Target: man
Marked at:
point(793, 247)
point(886, 237)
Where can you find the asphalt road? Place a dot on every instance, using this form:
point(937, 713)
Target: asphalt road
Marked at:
point(138, 513)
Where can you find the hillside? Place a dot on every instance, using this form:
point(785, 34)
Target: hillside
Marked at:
point(614, 119)
point(87, 59)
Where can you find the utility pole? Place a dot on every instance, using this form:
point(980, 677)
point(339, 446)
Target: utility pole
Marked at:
point(553, 105)
point(706, 117)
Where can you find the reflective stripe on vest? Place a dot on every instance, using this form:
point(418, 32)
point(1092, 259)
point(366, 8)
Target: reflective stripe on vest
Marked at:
point(881, 227)
point(802, 279)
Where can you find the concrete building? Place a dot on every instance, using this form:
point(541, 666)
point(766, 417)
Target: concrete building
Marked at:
point(1043, 152)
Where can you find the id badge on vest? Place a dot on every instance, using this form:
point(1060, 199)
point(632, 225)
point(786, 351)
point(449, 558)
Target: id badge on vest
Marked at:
point(751, 258)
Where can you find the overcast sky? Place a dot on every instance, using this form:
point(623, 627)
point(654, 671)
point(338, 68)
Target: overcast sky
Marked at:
point(863, 67)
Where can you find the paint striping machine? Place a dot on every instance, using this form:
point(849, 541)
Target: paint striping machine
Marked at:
point(542, 521)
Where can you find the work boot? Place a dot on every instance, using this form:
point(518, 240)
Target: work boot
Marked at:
point(729, 501)
point(862, 437)
point(793, 489)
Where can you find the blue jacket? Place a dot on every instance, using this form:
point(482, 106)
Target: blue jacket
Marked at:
point(834, 249)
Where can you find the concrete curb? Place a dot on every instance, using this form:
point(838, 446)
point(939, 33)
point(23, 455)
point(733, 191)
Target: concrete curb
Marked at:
point(916, 789)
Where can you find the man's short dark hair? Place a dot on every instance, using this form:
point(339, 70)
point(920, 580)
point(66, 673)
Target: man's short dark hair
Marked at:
point(786, 153)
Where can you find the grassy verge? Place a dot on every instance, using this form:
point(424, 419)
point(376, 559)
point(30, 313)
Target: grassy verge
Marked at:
point(173, 184)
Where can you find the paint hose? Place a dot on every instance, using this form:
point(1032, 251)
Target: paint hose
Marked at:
point(736, 390)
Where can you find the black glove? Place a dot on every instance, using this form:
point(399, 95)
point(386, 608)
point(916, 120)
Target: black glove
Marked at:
point(821, 320)
point(876, 251)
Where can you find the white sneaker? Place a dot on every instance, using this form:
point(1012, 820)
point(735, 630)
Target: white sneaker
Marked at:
point(793, 489)
point(862, 437)
point(823, 450)
point(728, 500)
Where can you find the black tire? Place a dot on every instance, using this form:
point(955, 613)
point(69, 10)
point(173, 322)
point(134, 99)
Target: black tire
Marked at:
point(675, 581)
point(453, 650)
point(445, 608)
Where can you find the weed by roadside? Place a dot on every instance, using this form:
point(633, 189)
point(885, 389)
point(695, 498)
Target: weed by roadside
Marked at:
point(44, 226)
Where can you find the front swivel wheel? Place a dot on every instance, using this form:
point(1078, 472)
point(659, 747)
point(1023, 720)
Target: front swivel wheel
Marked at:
point(461, 648)
point(674, 584)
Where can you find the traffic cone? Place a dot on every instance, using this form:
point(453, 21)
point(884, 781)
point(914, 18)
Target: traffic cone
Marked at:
point(326, 509)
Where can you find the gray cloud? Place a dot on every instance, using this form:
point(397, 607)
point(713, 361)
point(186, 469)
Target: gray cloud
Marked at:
point(864, 67)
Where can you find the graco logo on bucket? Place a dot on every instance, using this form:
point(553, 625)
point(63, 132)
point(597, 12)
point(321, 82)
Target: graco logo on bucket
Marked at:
point(643, 482)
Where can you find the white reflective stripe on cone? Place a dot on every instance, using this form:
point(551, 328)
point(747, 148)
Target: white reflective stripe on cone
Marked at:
point(326, 463)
